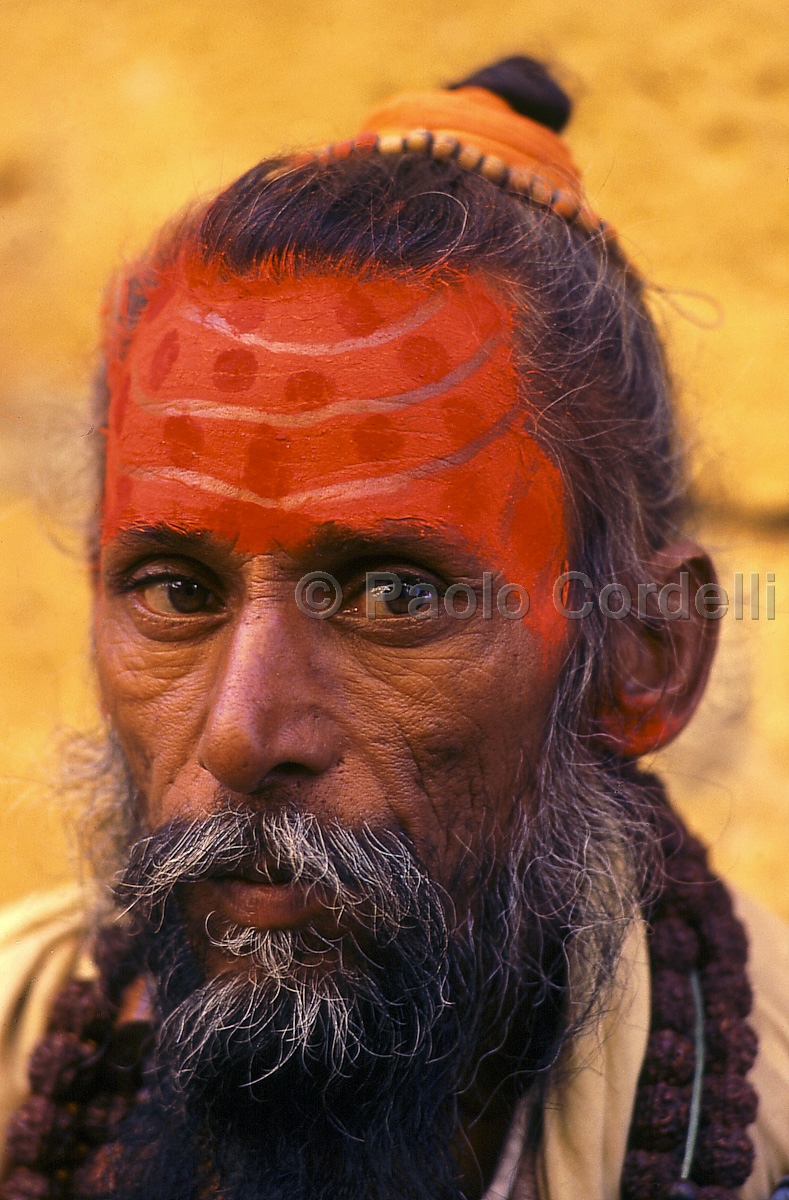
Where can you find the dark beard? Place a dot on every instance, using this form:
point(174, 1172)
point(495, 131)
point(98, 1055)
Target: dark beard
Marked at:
point(325, 1067)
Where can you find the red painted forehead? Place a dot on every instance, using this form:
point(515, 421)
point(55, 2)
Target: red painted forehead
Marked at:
point(259, 410)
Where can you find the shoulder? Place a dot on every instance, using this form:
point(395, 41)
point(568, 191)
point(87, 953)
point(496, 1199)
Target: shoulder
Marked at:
point(41, 942)
point(768, 969)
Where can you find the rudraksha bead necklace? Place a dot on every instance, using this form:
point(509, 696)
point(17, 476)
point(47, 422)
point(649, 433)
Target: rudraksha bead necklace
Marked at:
point(688, 1138)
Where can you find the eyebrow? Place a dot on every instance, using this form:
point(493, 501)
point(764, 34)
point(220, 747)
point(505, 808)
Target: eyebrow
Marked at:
point(336, 543)
point(332, 544)
point(163, 538)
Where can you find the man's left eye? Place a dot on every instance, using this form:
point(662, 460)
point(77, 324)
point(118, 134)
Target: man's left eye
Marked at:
point(178, 597)
point(414, 597)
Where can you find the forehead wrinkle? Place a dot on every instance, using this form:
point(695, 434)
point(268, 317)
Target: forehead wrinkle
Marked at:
point(265, 490)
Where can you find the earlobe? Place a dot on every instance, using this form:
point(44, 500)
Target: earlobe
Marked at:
point(661, 654)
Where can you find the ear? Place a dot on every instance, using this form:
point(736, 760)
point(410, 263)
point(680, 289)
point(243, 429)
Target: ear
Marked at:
point(662, 651)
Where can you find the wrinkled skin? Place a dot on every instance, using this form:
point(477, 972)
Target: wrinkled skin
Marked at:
point(216, 682)
point(223, 692)
point(429, 726)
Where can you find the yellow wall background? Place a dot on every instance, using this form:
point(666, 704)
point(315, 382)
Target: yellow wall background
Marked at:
point(117, 112)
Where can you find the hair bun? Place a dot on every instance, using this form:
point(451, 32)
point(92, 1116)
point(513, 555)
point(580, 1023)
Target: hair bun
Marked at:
point(527, 87)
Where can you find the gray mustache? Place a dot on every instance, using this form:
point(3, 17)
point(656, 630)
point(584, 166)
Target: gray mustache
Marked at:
point(372, 873)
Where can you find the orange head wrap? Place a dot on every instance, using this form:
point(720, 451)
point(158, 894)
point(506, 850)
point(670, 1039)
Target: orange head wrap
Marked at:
point(481, 121)
point(481, 132)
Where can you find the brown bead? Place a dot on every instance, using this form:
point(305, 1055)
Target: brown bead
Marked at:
point(469, 157)
point(687, 867)
point(101, 1118)
point(24, 1184)
point(647, 1174)
point(672, 1002)
point(670, 1057)
point(728, 1101)
point(59, 1063)
point(661, 1115)
point(673, 944)
point(731, 1045)
point(723, 1157)
point(28, 1129)
point(722, 981)
point(444, 146)
point(726, 939)
point(41, 1133)
point(82, 1008)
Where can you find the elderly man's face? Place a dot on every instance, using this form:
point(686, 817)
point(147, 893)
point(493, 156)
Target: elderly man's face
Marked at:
point(328, 425)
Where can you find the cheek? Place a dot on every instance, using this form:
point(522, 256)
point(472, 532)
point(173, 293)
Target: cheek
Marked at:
point(153, 693)
point(454, 728)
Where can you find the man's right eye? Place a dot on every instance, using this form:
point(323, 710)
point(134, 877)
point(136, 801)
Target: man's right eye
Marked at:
point(177, 596)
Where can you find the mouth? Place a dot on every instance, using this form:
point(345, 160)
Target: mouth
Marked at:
point(259, 896)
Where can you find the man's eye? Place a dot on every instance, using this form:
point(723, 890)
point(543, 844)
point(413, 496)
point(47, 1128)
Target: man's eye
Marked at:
point(178, 597)
point(414, 598)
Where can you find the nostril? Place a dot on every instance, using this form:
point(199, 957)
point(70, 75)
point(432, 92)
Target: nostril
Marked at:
point(286, 770)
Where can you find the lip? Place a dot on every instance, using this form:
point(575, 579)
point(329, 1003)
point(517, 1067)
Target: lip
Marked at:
point(258, 905)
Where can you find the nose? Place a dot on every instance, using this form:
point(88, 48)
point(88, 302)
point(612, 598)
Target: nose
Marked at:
point(267, 710)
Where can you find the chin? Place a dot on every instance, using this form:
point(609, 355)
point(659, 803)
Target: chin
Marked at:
point(286, 1065)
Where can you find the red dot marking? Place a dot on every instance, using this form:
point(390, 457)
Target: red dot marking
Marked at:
point(357, 313)
point(235, 370)
point(184, 440)
point(425, 359)
point(264, 471)
point(376, 440)
point(307, 389)
point(164, 359)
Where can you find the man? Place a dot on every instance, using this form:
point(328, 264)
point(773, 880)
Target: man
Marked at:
point(390, 596)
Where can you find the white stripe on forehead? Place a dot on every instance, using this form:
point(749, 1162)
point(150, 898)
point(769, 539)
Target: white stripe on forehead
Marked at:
point(387, 333)
point(192, 407)
point(354, 489)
